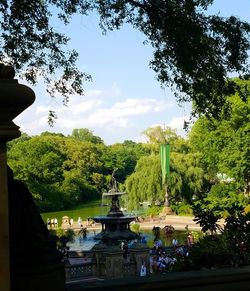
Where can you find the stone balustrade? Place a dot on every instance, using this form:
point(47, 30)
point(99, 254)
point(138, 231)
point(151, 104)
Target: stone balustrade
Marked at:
point(106, 264)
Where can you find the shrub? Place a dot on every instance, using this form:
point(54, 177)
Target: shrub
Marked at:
point(135, 227)
point(182, 209)
point(247, 209)
point(154, 211)
point(230, 248)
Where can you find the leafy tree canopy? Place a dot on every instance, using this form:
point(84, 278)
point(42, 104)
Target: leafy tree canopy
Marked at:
point(224, 144)
point(85, 134)
point(193, 52)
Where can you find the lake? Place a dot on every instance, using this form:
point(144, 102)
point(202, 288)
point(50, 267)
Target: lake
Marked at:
point(94, 209)
point(91, 209)
point(84, 244)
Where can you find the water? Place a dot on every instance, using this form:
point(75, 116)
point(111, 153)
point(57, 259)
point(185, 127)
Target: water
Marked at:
point(84, 244)
point(89, 209)
point(95, 209)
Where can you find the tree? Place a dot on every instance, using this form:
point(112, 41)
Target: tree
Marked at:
point(124, 157)
point(59, 171)
point(193, 52)
point(85, 134)
point(145, 183)
point(186, 177)
point(224, 144)
point(38, 162)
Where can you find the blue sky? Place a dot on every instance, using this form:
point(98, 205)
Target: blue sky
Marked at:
point(124, 98)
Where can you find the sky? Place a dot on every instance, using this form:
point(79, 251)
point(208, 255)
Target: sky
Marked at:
point(124, 97)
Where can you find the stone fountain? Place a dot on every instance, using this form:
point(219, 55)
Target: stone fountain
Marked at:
point(110, 258)
point(115, 225)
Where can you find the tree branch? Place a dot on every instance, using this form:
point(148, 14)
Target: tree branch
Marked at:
point(137, 4)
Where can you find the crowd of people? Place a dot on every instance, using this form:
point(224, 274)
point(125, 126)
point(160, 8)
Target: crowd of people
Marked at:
point(161, 260)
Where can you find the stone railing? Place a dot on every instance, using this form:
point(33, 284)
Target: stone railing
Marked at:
point(80, 265)
point(106, 264)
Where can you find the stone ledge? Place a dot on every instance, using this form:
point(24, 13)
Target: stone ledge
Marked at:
point(230, 279)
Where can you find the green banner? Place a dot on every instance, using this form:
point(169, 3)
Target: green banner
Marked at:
point(165, 161)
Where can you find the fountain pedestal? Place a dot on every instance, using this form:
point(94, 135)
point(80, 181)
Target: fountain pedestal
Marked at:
point(115, 225)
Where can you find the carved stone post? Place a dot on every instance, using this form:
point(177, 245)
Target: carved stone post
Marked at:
point(14, 98)
point(140, 254)
point(114, 263)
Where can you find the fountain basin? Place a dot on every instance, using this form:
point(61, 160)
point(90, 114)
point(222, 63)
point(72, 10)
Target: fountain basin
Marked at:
point(115, 228)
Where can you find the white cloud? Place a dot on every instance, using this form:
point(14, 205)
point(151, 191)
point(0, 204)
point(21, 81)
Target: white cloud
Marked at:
point(77, 108)
point(121, 113)
point(97, 111)
point(176, 123)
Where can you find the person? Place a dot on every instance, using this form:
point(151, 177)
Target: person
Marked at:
point(143, 240)
point(190, 240)
point(48, 223)
point(143, 271)
point(88, 220)
point(158, 245)
point(174, 242)
point(55, 222)
point(79, 221)
point(71, 221)
point(154, 265)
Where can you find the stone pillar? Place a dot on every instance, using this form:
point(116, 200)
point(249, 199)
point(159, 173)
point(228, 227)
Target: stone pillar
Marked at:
point(114, 263)
point(98, 250)
point(140, 254)
point(4, 218)
point(14, 98)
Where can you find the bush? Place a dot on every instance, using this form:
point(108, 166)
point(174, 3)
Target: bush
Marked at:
point(230, 248)
point(247, 209)
point(154, 211)
point(222, 197)
point(182, 208)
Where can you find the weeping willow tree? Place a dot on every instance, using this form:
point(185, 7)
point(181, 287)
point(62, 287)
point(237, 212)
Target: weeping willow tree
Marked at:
point(145, 184)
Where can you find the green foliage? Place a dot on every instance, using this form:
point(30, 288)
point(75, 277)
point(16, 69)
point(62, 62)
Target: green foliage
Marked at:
point(85, 134)
point(181, 208)
point(224, 143)
point(135, 227)
point(186, 175)
point(61, 237)
point(62, 172)
point(154, 211)
point(231, 248)
point(223, 197)
point(193, 52)
point(247, 209)
point(210, 251)
point(206, 218)
point(145, 183)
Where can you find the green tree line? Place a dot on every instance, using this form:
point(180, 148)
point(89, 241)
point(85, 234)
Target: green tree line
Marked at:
point(211, 165)
point(63, 171)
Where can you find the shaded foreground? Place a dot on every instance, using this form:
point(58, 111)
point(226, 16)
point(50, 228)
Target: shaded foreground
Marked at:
point(207, 280)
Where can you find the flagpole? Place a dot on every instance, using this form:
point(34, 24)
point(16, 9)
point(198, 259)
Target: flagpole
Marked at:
point(165, 166)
